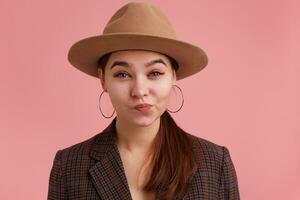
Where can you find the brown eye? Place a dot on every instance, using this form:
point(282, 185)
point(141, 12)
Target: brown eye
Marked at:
point(121, 73)
point(156, 73)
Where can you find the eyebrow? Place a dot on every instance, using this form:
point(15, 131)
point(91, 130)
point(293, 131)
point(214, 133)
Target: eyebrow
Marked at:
point(125, 64)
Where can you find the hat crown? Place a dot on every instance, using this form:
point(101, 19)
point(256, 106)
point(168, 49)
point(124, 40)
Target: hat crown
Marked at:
point(140, 18)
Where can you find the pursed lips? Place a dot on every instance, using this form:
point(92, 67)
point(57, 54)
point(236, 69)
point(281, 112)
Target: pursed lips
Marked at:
point(144, 105)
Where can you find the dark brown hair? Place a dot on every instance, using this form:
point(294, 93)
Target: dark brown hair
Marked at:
point(172, 159)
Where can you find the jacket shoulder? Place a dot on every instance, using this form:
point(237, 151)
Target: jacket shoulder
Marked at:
point(205, 144)
point(216, 167)
point(208, 154)
point(78, 149)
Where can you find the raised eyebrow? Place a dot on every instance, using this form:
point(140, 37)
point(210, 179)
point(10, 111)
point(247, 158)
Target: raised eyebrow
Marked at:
point(120, 63)
point(125, 64)
point(156, 61)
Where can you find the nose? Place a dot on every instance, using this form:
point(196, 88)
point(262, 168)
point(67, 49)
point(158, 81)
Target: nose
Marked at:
point(139, 88)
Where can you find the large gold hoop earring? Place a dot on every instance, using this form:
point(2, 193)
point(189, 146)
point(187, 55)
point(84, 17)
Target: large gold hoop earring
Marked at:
point(100, 106)
point(181, 102)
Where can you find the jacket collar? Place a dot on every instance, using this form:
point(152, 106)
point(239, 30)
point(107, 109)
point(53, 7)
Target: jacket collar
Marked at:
point(104, 142)
point(108, 174)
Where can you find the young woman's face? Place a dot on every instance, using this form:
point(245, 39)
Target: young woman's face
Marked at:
point(134, 77)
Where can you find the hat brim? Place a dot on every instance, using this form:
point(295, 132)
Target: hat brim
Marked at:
point(84, 54)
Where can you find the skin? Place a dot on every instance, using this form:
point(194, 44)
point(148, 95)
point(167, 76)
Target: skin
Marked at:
point(128, 87)
point(135, 85)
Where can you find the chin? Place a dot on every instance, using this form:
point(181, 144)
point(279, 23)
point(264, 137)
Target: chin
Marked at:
point(143, 121)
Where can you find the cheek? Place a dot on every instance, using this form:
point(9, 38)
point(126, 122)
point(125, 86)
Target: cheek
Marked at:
point(117, 100)
point(116, 94)
point(163, 91)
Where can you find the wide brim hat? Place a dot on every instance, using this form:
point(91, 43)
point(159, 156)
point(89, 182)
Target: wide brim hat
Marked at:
point(137, 26)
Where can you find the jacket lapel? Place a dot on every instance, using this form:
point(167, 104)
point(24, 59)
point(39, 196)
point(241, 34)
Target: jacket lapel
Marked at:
point(108, 174)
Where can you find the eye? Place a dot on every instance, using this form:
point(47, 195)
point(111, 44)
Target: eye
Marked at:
point(120, 73)
point(157, 73)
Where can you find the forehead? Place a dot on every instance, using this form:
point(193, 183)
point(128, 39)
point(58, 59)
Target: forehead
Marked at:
point(137, 56)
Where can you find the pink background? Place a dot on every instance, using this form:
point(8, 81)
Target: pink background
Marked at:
point(246, 99)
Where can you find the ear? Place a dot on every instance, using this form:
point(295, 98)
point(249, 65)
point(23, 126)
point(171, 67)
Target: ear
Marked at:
point(101, 77)
point(174, 77)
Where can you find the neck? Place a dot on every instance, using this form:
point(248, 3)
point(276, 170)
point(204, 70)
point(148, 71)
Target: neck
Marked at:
point(136, 139)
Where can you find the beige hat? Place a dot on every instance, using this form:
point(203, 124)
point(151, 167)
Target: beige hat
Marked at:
point(140, 26)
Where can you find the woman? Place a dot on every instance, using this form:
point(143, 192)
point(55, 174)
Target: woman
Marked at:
point(142, 154)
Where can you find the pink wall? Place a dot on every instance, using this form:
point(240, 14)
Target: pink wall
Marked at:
point(246, 99)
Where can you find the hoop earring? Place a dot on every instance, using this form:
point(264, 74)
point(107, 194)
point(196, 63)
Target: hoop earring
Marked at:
point(100, 106)
point(182, 100)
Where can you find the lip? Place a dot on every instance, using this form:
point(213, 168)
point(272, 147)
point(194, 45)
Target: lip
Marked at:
point(144, 105)
point(143, 108)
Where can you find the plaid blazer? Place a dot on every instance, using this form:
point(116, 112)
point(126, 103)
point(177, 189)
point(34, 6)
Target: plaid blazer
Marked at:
point(93, 169)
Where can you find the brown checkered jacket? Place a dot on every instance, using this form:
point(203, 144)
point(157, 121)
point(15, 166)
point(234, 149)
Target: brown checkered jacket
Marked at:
point(93, 169)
